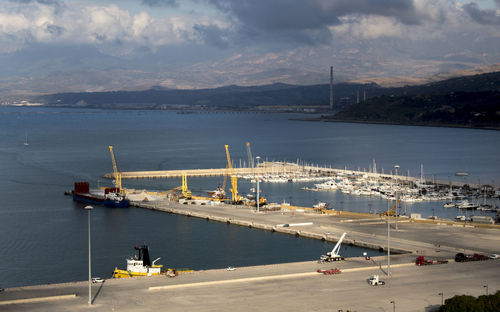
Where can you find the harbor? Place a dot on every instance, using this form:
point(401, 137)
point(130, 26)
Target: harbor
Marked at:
point(285, 233)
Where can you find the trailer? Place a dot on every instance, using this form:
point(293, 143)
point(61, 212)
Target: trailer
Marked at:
point(422, 261)
point(461, 257)
point(330, 271)
point(334, 254)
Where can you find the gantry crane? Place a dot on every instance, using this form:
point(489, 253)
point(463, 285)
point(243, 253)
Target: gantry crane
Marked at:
point(118, 175)
point(235, 198)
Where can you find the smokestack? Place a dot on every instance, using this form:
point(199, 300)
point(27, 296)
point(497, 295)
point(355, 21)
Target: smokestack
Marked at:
point(331, 87)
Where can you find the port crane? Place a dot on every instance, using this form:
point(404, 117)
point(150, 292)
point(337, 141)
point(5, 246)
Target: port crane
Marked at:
point(334, 254)
point(186, 193)
point(118, 175)
point(235, 198)
point(391, 212)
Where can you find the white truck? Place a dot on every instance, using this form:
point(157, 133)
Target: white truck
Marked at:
point(375, 281)
point(334, 254)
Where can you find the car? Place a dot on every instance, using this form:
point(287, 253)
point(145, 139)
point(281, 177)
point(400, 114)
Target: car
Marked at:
point(1, 289)
point(230, 268)
point(97, 280)
point(494, 256)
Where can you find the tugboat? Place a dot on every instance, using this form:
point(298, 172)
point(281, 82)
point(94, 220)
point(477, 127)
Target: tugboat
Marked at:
point(139, 265)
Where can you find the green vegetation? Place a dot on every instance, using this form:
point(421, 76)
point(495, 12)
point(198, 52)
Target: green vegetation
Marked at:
point(467, 102)
point(464, 303)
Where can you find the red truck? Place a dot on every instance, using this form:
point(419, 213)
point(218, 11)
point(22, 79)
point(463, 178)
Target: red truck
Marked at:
point(422, 261)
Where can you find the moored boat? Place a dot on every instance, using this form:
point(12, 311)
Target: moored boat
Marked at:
point(115, 199)
point(82, 194)
point(465, 204)
point(139, 265)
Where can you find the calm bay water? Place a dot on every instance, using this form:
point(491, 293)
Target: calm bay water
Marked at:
point(43, 234)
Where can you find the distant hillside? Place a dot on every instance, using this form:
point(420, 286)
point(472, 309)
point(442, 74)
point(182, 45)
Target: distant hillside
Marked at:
point(472, 101)
point(229, 97)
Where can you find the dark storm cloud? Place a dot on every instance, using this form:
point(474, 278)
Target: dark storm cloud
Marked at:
point(298, 14)
point(485, 17)
point(156, 3)
point(307, 22)
point(47, 2)
point(212, 34)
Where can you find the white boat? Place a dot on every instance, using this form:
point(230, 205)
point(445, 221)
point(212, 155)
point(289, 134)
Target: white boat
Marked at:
point(465, 204)
point(26, 141)
point(449, 205)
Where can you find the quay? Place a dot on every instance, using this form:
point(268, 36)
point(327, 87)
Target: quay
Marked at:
point(296, 286)
point(425, 237)
point(276, 168)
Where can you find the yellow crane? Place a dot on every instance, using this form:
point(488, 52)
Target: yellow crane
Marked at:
point(391, 212)
point(118, 175)
point(235, 198)
point(186, 193)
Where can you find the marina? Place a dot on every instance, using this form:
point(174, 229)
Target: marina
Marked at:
point(61, 152)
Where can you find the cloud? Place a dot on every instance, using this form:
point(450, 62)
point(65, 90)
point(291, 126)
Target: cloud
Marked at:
point(35, 21)
point(486, 17)
point(212, 34)
point(157, 3)
point(308, 22)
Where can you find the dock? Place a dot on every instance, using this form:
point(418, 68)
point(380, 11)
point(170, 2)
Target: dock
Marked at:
point(277, 168)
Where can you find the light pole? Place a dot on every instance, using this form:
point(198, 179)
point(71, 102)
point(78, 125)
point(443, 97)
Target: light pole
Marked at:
point(442, 298)
point(396, 167)
point(388, 242)
point(393, 306)
point(257, 197)
point(486, 286)
point(88, 208)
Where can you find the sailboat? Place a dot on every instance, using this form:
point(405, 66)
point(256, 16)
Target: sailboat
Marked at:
point(26, 141)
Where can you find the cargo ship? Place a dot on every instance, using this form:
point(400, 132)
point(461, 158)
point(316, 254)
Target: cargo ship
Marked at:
point(82, 194)
point(139, 265)
point(111, 196)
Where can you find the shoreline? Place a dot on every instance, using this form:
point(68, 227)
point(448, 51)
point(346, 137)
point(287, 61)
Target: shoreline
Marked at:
point(394, 123)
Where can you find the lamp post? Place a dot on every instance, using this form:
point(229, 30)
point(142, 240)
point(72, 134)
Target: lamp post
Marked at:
point(89, 208)
point(388, 242)
point(486, 286)
point(393, 306)
point(442, 298)
point(396, 167)
point(257, 197)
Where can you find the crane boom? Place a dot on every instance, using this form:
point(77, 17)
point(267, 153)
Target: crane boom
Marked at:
point(250, 157)
point(334, 254)
point(391, 212)
point(336, 249)
point(118, 175)
point(235, 198)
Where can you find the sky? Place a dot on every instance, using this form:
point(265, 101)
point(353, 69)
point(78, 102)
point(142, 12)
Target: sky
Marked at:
point(72, 45)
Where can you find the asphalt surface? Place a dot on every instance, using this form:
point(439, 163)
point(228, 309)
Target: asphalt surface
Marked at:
point(281, 287)
point(297, 286)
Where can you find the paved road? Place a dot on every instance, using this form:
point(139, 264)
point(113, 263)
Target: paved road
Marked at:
point(282, 287)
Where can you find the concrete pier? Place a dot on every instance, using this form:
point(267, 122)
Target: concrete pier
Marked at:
point(363, 230)
point(273, 168)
